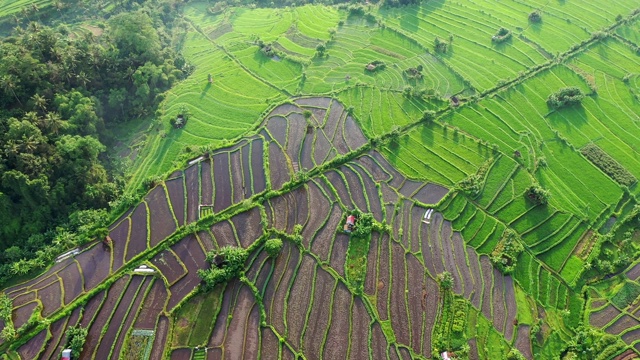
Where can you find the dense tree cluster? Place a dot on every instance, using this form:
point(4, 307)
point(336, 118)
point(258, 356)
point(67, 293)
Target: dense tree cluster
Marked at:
point(608, 164)
point(538, 195)
point(228, 263)
point(76, 337)
point(60, 95)
point(564, 97)
point(505, 255)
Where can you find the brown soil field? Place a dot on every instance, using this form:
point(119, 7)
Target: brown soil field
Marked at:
point(314, 101)
point(355, 188)
point(497, 302)
point(306, 151)
point(322, 147)
point(487, 278)
point(175, 188)
point(181, 354)
point(602, 317)
point(160, 338)
point(340, 244)
point(321, 245)
point(297, 130)
point(269, 344)
point(192, 185)
point(257, 263)
point(623, 323)
point(378, 342)
point(32, 348)
point(169, 265)
point(398, 302)
point(154, 304)
point(631, 336)
point(353, 134)
point(247, 180)
point(319, 315)
point(206, 240)
point(51, 297)
point(375, 207)
point(415, 292)
point(206, 183)
point(138, 239)
point(360, 330)
point(224, 234)
point(103, 315)
point(523, 341)
point(222, 184)
point(58, 341)
point(95, 265)
point(275, 306)
point(248, 226)
point(473, 349)
point(278, 168)
point(299, 300)
point(277, 127)
point(409, 187)
point(368, 162)
point(119, 237)
point(193, 257)
point(92, 308)
point(435, 242)
point(371, 278)
point(634, 272)
point(336, 347)
point(461, 265)
point(396, 178)
point(340, 187)
point(430, 301)
point(476, 297)
point(512, 309)
point(127, 324)
point(627, 355)
point(242, 333)
point(430, 194)
point(118, 317)
point(228, 302)
point(384, 282)
point(162, 223)
point(235, 167)
point(449, 256)
point(72, 282)
point(24, 298)
point(320, 214)
point(259, 182)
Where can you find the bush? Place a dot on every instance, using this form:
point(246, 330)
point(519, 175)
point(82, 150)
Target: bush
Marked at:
point(445, 279)
point(273, 247)
point(440, 46)
point(501, 36)
point(76, 337)
point(535, 17)
point(564, 97)
point(608, 165)
point(231, 266)
point(538, 195)
point(505, 255)
point(428, 115)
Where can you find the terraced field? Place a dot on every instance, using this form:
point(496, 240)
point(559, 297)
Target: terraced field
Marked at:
point(295, 132)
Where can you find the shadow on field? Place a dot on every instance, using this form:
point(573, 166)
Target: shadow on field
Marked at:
point(205, 90)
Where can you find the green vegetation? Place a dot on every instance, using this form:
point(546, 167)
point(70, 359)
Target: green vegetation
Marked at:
point(356, 262)
point(76, 337)
point(227, 263)
point(273, 247)
point(607, 164)
point(564, 97)
point(505, 255)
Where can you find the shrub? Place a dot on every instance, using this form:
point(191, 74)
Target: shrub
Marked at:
point(445, 279)
point(608, 165)
point(440, 46)
point(535, 17)
point(505, 255)
point(76, 337)
point(564, 97)
point(428, 115)
point(273, 247)
point(537, 195)
point(502, 35)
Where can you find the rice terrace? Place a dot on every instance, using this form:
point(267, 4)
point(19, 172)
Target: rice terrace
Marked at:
point(402, 179)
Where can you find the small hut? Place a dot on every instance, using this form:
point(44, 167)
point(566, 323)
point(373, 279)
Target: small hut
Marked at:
point(350, 224)
point(66, 354)
point(219, 261)
point(210, 78)
point(455, 101)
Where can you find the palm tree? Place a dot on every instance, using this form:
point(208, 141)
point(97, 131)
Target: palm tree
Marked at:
point(8, 82)
point(53, 122)
point(82, 78)
point(39, 101)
